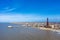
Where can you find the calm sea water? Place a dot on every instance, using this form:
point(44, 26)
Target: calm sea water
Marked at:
point(19, 32)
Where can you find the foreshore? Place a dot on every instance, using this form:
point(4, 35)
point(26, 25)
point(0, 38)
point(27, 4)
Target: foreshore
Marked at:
point(50, 29)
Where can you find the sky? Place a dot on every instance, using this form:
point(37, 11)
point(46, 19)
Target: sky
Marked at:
point(29, 10)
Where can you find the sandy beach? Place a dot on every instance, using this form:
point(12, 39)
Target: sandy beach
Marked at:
point(50, 29)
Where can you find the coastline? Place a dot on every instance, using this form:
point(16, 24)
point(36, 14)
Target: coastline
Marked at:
point(42, 28)
point(50, 29)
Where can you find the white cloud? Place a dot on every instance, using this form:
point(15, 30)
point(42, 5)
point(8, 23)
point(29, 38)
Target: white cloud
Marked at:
point(10, 9)
point(7, 9)
point(24, 18)
point(19, 18)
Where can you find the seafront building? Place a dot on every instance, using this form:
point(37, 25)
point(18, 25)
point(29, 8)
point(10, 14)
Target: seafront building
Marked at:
point(46, 24)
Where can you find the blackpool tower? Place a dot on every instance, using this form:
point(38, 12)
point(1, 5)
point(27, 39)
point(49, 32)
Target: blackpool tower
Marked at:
point(47, 23)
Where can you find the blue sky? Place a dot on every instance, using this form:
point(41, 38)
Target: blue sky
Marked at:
point(29, 10)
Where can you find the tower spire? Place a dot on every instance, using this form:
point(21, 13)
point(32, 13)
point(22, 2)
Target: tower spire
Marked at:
point(47, 23)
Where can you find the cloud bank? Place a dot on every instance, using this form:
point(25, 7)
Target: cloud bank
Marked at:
point(25, 18)
point(19, 18)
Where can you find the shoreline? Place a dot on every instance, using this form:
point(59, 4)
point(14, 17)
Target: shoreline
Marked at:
point(43, 28)
point(50, 29)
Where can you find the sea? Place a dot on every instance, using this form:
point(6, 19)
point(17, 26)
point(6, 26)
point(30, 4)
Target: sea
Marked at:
point(19, 32)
